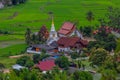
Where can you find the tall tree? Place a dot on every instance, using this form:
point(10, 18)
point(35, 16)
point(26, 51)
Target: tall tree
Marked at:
point(98, 56)
point(90, 16)
point(28, 36)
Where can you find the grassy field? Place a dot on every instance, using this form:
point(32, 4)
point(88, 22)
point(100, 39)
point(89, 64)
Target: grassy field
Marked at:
point(9, 51)
point(34, 14)
point(12, 50)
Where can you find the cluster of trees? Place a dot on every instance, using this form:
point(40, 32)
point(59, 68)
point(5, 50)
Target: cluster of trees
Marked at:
point(31, 38)
point(55, 74)
point(39, 57)
point(108, 65)
point(103, 40)
point(62, 62)
point(12, 2)
point(25, 61)
point(113, 17)
point(98, 56)
point(86, 31)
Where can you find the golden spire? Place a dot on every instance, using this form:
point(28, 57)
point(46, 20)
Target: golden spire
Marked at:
point(52, 26)
point(52, 21)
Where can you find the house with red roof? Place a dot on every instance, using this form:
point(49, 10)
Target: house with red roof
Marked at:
point(67, 29)
point(66, 44)
point(46, 65)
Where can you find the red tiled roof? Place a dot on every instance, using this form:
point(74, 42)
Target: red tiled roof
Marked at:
point(71, 41)
point(63, 31)
point(67, 28)
point(84, 42)
point(46, 65)
point(68, 25)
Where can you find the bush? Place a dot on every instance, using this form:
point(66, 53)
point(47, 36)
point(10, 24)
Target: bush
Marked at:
point(62, 62)
point(25, 61)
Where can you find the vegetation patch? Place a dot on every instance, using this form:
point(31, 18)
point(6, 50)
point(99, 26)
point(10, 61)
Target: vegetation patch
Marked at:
point(13, 50)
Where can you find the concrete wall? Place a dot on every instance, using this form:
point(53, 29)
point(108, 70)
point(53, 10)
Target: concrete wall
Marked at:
point(64, 49)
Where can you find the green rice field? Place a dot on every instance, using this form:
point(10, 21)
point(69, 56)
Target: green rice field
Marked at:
point(35, 13)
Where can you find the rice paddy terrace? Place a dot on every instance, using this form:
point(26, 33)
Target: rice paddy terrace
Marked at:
point(36, 13)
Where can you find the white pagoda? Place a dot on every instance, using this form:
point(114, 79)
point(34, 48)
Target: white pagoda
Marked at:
point(53, 36)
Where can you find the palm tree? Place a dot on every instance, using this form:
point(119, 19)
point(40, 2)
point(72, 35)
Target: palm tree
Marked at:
point(90, 16)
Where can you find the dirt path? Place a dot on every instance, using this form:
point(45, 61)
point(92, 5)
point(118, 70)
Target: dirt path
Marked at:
point(5, 44)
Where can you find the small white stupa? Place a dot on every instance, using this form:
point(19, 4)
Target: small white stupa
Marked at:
point(53, 36)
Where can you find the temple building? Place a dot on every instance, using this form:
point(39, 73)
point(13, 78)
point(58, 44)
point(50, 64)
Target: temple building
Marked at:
point(68, 29)
point(65, 40)
point(68, 44)
point(53, 36)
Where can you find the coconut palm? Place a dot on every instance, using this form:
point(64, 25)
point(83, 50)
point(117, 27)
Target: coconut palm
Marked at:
point(90, 16)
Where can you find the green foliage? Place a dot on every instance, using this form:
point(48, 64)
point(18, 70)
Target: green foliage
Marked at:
point(15, 2)
point(36, 58)
point(82, 75)
point(26, 74)
point(114, 17)
point(118, 46)
point(90, 16)
point(104, 40)
point(25, 61)
point(109, 63)
point(75, 55)
point(62, 62)
point(29, 64)
point(108, 74)
point(98, 56)
point(39, 57)
point(2, 66)
point(86, 30)
point(28, 36)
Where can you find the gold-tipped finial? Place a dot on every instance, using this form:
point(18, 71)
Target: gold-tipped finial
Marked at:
point(52, 26)
point(52, 20)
